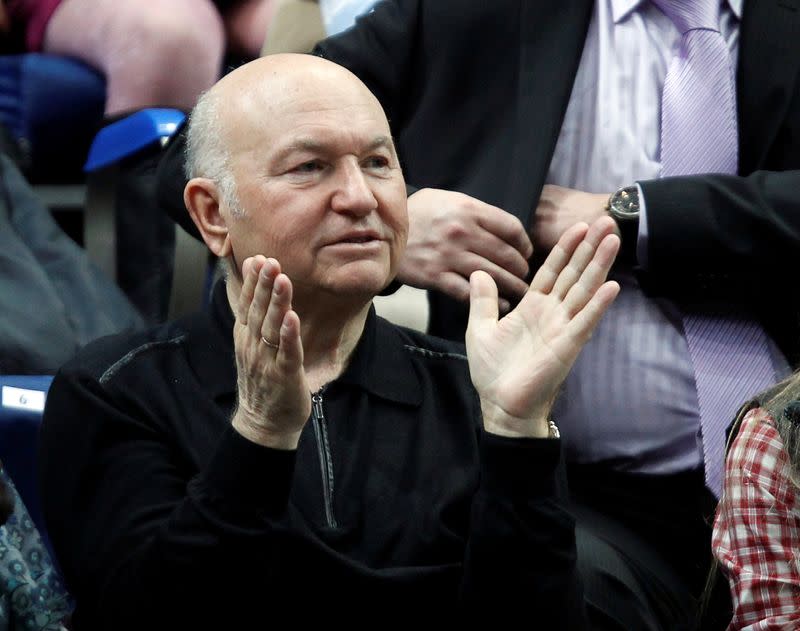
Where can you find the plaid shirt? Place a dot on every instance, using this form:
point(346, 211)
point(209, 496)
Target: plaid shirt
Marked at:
point(757, 529)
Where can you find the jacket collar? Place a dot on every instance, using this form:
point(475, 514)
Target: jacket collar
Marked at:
point(380, 364)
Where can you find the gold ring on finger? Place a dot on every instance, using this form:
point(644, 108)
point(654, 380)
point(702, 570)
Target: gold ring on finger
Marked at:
point(268, 343)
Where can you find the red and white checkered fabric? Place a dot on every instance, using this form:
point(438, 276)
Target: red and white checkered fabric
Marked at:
point(757, 529)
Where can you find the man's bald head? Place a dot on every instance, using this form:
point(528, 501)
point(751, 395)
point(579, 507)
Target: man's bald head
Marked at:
point(224, 116)
point(269, 80)
point(291, 156)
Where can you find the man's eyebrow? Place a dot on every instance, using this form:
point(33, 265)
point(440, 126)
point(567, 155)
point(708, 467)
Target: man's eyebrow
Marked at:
point(381, 141)
point(312, 145)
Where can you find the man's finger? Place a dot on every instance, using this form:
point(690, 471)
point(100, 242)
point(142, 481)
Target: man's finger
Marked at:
point(546, 276)
point(593, 276)
point(494, 249)
point(582, 256)
point(585, 321)
point(290, 350)
point(262, 296)
point(453, 285)
point(249, 280)
point(482, 300)
point(508, 284)
point(600, 229)
point(279, 305)
point(507, 227)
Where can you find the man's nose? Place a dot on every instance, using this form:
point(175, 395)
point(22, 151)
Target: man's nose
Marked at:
point(353, 194)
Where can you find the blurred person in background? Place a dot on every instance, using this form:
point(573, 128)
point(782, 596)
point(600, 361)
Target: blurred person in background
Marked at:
point(756, 539)
point(158, 53)
point(32, 594)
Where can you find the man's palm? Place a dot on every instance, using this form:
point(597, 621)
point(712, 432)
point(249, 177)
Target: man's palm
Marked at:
point(518, 363)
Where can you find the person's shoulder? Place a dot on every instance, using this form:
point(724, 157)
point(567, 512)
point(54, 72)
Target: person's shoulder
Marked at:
point(757, 448)
point(757, 422)
point(104, 357)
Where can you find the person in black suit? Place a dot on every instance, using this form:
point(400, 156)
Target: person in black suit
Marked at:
point(488, 101)
point(478, 93)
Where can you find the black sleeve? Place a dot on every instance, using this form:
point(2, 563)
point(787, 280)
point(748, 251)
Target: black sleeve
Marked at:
point(130, 524)
point(521, 553)
point(379, 49)
point(719, 233)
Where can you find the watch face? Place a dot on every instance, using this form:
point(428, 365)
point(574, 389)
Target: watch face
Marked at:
point(625, 203)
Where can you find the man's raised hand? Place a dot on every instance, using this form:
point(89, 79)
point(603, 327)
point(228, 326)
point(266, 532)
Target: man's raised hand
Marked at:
point(519, 362)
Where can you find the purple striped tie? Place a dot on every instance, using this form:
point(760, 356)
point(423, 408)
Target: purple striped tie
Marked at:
point(730, 355)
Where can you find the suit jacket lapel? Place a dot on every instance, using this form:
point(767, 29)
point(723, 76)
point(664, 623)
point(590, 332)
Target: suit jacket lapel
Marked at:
point(551, 42)
point(769, 63)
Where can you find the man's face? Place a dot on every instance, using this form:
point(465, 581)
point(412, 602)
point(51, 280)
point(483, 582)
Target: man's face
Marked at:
point(321, 189)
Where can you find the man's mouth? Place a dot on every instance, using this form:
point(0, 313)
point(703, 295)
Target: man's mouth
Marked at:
point(361, 236)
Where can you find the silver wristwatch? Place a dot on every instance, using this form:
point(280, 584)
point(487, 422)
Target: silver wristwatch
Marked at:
point(623, 205)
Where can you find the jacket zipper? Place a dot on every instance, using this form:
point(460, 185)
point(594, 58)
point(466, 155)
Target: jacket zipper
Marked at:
point(324, 451)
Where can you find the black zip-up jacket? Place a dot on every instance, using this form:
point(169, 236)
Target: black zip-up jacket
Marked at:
point(162, 516)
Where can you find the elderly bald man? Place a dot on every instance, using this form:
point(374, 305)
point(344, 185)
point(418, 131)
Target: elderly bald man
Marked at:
point(289, 447)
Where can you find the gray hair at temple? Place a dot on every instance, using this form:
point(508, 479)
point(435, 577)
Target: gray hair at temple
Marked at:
point(206, 153)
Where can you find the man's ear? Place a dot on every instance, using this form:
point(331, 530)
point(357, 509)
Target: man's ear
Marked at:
point(202, 199)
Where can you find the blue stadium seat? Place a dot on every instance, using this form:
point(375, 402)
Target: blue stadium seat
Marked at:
point(52, 106)
point(131, 134)
point(112, 144)
point(192, 273)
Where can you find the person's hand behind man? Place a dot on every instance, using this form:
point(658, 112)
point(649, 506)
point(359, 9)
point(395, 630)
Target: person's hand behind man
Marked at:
point(451, 235)
point(561, 208)
point(519, 362)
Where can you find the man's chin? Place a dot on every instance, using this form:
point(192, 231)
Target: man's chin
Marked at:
point(361, 284)
point(366, 290)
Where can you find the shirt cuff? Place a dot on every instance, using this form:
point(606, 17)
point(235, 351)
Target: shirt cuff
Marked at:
point(641, 240)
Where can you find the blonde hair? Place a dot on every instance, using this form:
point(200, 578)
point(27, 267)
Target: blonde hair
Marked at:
point(780, 403)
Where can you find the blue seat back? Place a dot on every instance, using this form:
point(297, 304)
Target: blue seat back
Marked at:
point(125, 137)
point(52, 105)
